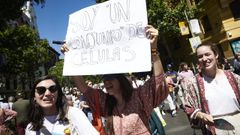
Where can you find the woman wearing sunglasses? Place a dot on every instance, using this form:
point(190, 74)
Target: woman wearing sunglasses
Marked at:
point(50, 114)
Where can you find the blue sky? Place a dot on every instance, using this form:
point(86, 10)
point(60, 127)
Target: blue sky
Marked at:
point(52, 19)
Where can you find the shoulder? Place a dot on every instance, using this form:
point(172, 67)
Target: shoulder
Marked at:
point(74, 111)
point(26, 101)
point(229, 73)
point(28, 130)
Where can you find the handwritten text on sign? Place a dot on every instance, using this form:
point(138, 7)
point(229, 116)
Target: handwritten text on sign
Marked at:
point(108, 38)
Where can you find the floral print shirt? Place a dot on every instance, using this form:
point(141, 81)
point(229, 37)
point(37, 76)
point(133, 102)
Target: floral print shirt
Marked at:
point(194, 94)
point(134, 118)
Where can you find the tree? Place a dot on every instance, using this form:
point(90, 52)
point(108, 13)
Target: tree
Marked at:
point(24, 52)
point(57, 71)
point(20, 46)
point(165, 15)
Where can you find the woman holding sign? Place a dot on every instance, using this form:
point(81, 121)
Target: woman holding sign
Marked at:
point(129, 108)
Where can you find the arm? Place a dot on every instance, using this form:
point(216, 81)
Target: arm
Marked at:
point(192, 103)
point(152, 35)
point(155, 89)
point(80, 83)
point(78, 80)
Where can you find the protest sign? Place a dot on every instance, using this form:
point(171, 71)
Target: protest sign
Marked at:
point(108, 38)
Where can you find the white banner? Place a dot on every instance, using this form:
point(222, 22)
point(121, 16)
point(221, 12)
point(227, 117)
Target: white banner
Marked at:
point(194, 26)
point(108, 38)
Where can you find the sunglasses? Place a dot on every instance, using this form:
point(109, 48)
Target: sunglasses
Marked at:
point(41, 90)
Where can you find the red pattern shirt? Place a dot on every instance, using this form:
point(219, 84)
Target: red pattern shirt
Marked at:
point(134, 118)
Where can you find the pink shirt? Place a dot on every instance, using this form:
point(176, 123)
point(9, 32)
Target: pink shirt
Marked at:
point(186, 74)
point(134, 118)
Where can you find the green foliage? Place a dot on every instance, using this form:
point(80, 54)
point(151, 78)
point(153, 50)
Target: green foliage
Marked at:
point(95, 79)
point(165, 15)
point(10, 10)
point(66, 81)
point(23, 50)
point(57, 71)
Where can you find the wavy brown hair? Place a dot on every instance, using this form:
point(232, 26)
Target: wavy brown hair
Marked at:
point(127, 91)
point(36, 115)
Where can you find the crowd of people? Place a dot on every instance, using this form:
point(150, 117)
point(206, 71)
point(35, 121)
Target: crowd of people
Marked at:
point(124, 104)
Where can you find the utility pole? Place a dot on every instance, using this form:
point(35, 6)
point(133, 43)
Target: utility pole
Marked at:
point(190, 28)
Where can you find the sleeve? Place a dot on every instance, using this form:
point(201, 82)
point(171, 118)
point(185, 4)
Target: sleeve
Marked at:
point(191, 97)
point(92, 101)
point(192, 73)
point(180, 76)
point(152, 93)
point(237, 79)
point(9, 114)
point(80, 122)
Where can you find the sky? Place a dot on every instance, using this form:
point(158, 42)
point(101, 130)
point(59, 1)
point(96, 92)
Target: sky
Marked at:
point(52, 19)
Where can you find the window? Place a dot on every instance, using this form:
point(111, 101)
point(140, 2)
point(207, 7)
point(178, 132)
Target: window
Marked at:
point(206, 24)
point(234, 6)
point(235, 45)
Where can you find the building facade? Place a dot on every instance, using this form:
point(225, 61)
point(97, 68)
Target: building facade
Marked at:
point(219, 23)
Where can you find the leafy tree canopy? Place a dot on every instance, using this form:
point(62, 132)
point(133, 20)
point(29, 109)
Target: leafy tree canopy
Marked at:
point(165, 15)
point(57, 71)
point(22, 49)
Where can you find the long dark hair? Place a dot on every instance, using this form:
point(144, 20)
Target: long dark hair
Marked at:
point(215, 50)
point(127, 90)
point(36, 115)
point(212, 46)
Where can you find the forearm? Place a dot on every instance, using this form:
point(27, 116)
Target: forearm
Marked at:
point(157, 65)
point(80, 83)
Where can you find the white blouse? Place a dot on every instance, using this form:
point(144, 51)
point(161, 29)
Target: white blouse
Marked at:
point(220, 96)
point(79, 124)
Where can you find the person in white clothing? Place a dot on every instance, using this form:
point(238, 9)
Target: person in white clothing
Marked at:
point(213, 96)
point(50, 114)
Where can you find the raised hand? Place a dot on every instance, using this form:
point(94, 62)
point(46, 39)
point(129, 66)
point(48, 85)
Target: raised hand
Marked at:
point(64, 48)
point(152, 35)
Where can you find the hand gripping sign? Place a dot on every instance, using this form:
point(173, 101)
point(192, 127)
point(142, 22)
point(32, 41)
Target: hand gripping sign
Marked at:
point(108, 38)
